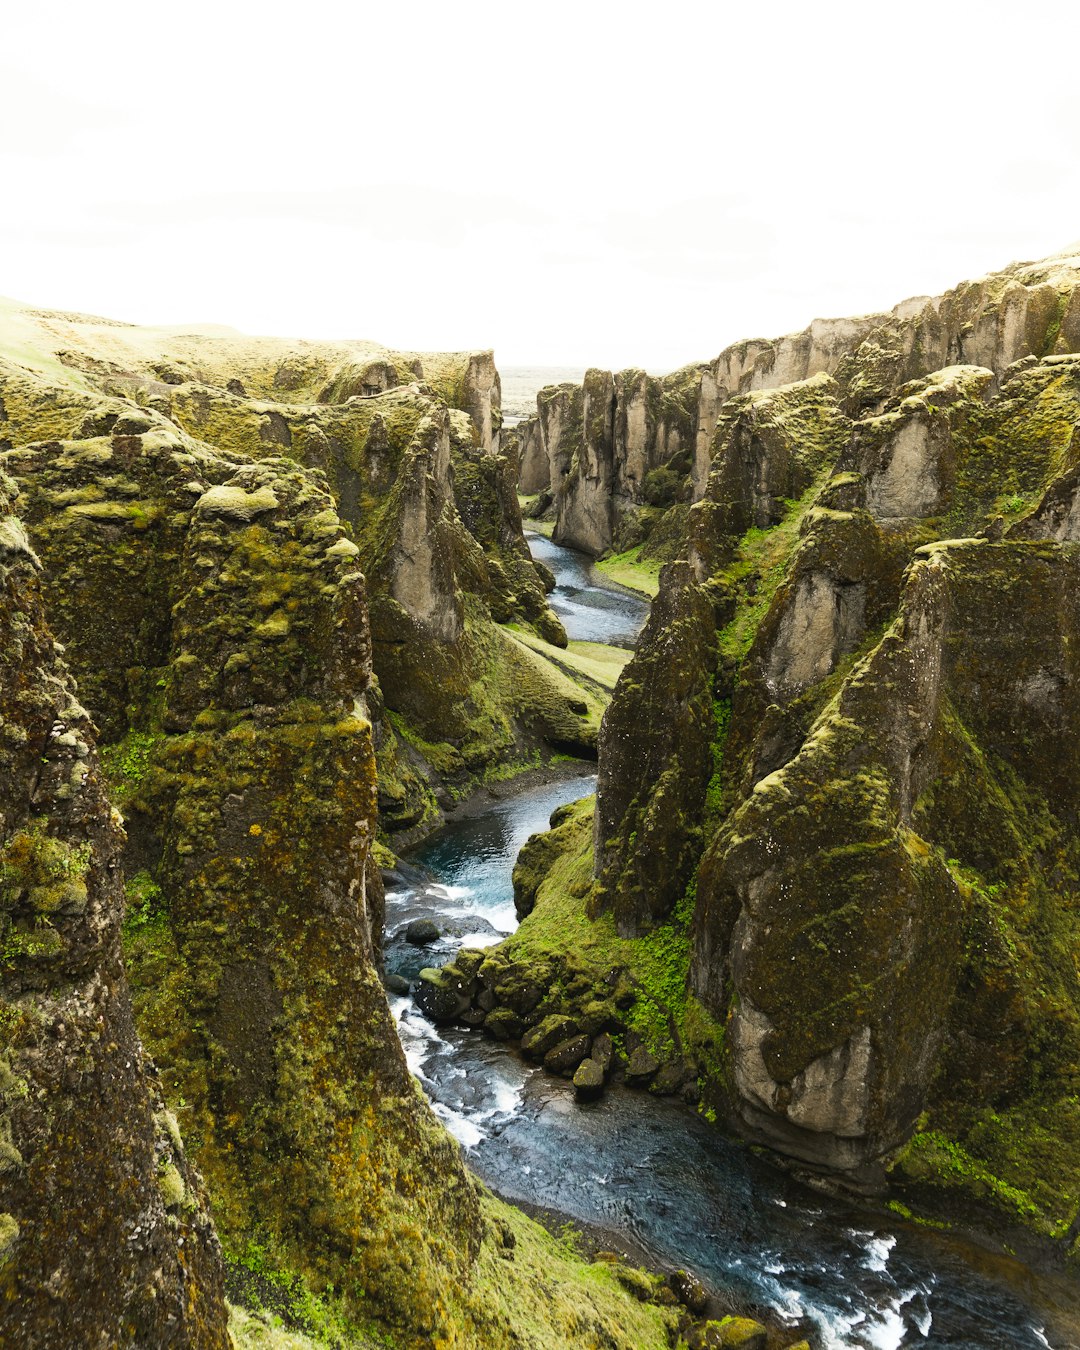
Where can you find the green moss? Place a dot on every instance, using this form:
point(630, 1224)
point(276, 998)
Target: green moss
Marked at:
point(560, 927)
point(762, 562)
point(128, 762)
point(931, 1156)
point(9, 1235)
point(49, 872)
point(144, 902)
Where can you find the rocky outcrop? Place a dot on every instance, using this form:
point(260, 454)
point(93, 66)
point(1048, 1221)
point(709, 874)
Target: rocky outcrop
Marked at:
point(666, 432)
point(584, 491)
point(839, 767)
point(609, 457)
point(235, 658)
point(104, 1232)
point(409, 447)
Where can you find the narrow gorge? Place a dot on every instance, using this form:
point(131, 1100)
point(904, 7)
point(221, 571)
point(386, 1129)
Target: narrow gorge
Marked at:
point(659, 814)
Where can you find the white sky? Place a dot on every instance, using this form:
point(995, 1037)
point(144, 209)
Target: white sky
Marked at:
point(570, 183)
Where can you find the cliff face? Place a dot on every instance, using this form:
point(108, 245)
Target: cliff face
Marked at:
point(104, 1234)
point(609, 458)
point(215, 612)
point(200, 547)
point(409, 448)
point(664, 430)
point(838, 772)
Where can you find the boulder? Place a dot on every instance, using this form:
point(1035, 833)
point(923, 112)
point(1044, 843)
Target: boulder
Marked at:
point(603, 1051)
point(641, 1066)
point(689, 1290)
point(549, 1033)
point(504, 1024)
point(422, 932)
point(567, 1055)
point(440, 995)
point(588, 1080)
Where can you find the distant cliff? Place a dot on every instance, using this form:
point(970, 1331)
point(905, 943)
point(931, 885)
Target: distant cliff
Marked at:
point(628, 471)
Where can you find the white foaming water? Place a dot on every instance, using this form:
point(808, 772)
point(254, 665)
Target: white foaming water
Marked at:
point(481, 939)
point(418, 1036)
point(888, 1333)
point(465, 1131)
point(877, 1253)
point(503, 1087)
point(883, 1330)
point(503, 917)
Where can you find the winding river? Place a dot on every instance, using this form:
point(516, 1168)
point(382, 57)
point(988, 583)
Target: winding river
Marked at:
point(650, 1170)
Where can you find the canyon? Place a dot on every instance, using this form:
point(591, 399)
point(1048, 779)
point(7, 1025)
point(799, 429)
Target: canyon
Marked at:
point(273, 619)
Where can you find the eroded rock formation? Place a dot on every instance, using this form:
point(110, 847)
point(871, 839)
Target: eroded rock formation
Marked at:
point(200, 545)
point(665, 430)
point(105, 1238)
point(840, 765)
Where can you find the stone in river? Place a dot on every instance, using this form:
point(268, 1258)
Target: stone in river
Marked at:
point(588, 1080)
point(567, 1055)
point(422, 932)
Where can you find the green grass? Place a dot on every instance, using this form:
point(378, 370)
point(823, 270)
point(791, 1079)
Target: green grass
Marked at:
point(558, 676)
point(551, 1297)
point(633, 572)
point(595, 661)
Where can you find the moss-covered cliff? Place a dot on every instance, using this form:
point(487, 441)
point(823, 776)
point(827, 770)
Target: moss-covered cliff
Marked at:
point(199, 551)
point(837, 792)
point(104, 1233)
point(410, 449)
point(629, 489)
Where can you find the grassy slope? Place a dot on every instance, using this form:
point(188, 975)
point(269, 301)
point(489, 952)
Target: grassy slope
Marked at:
point(629, 569)
point(534, 1292)
point(595, 662)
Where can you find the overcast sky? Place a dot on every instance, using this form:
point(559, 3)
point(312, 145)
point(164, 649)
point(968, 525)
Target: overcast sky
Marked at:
point(569, 183)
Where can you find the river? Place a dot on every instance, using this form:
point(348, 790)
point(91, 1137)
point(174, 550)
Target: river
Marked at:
point(650, 1169)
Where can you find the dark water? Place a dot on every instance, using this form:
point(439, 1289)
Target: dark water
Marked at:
point(591, 607)
point(661, 1175)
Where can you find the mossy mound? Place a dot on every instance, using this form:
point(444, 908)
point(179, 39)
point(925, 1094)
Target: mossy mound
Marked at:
point(572, 991)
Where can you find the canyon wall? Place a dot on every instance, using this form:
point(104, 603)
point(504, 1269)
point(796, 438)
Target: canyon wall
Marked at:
point(836, 784)
point(200, 550)
point(632, 484)
point(105, 1237)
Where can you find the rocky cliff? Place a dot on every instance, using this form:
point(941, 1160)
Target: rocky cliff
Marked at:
point(198, 545)
point(409, 449)
point(105, 1238)
point(632, 485)
point(837, 788)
